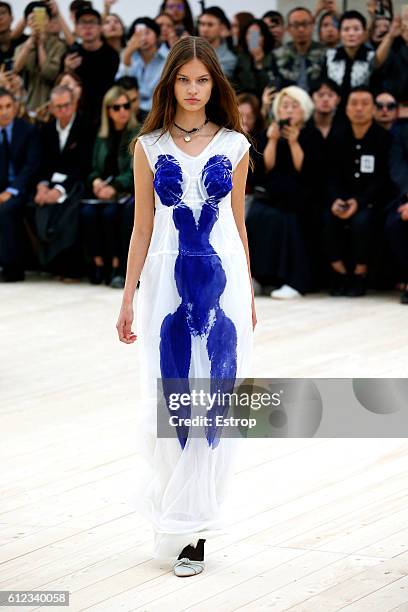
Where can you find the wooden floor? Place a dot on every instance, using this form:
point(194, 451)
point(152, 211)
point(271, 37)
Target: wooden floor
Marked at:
point(318, 524)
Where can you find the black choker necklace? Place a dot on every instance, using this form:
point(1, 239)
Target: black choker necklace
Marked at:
point(187, 133)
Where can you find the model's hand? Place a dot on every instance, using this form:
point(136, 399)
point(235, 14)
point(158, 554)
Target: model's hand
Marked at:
point(403, 211)
point(254, 319)
point(124, 324)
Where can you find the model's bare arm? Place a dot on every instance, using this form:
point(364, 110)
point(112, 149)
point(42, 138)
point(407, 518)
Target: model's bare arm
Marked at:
point(238, 209)
point(139, 242)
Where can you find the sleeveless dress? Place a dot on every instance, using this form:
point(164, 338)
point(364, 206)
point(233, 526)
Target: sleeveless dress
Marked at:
point(193, 321)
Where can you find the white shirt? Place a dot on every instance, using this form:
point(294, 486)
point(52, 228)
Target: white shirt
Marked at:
point(63, 133)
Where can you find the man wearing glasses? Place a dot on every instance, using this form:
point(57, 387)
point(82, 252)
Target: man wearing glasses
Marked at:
point(386, 110)
point(94, 61)
point(299, 62)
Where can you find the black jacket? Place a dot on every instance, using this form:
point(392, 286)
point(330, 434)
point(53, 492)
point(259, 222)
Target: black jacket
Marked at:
point(74, 160)
point(25, 154)
point(360, 168)
point(399, 157)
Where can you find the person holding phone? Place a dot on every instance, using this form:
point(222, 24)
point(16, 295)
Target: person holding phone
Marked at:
point(252, 73)
point(143, 59)
point(283, 180)
point(38, 59)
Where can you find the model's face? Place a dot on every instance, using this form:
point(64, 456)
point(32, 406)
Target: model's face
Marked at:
point(62, 108)
point(112, 27)
point(193, 85)
point(325, 100)
point(386, 108)
point(352, 33)
point(329, 32)
point(119, 112)
point(276, 28)
point(8, 110)
point(360, 107)
point(300, 27)
point(210, 28)
point(291, 109)
point(247, 117)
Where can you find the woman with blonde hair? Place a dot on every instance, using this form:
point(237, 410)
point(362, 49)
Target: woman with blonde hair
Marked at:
point(107, 214)
point(195, 307)
point(275, 221)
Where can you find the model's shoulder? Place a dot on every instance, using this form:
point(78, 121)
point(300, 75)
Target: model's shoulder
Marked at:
point(234, 137)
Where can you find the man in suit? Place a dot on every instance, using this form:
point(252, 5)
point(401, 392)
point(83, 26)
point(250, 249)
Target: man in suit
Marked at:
point(67, 144)
point(19, 163)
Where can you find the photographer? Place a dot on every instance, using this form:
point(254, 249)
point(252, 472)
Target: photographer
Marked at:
point(38, 59)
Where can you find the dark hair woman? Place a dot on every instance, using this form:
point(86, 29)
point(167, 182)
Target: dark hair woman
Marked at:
point(195, 309)
point(180, 12)
point(107, 214)
point(252, 73)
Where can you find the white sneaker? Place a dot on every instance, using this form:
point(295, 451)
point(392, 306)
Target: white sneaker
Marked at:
point(285, 293)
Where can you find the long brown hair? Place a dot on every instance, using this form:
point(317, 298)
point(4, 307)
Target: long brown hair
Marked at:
point(221, 108)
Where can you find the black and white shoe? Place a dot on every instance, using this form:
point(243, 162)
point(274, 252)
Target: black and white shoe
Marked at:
point(190, 561)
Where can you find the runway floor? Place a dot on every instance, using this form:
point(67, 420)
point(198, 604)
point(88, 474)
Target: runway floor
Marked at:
point(319, 524)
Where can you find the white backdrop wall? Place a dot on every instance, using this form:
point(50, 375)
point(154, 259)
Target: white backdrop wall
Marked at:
point(130, 9)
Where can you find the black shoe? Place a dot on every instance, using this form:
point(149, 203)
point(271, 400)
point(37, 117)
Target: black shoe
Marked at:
point(358, 286)
point(404, 297)
point(194, 553)
point(97, 275)
point(339, 284)
point(12, 275)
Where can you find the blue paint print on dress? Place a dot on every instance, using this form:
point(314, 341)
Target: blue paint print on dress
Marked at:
point(200, 280)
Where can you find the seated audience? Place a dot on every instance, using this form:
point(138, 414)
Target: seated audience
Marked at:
point(358, 188)
point(143, 60)
point(20, 156)
point(328, 30)
point(54, 212)
point(386, 110)
point(238, 23)
point(397, 220)
point(254, 67)
point(275, 219)
point(299, 62)
point(131, 86)
point(276, 25)
point(108, 222)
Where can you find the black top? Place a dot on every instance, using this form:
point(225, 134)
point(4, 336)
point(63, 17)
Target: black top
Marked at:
point(359, 168)
point(285, 186)
point(111, 167)
point(97, 72)
point(6, 55)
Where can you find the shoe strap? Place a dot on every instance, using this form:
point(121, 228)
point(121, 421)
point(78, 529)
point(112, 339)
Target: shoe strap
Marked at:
point(189, 563)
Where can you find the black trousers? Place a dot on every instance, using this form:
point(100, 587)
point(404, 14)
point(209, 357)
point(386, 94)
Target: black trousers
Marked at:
point(396, 231)
point(349, 240)
point(12, 234)
point(107, 229)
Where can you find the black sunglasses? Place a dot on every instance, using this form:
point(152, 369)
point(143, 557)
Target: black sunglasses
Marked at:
point(388, 105)
point(117, 107)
